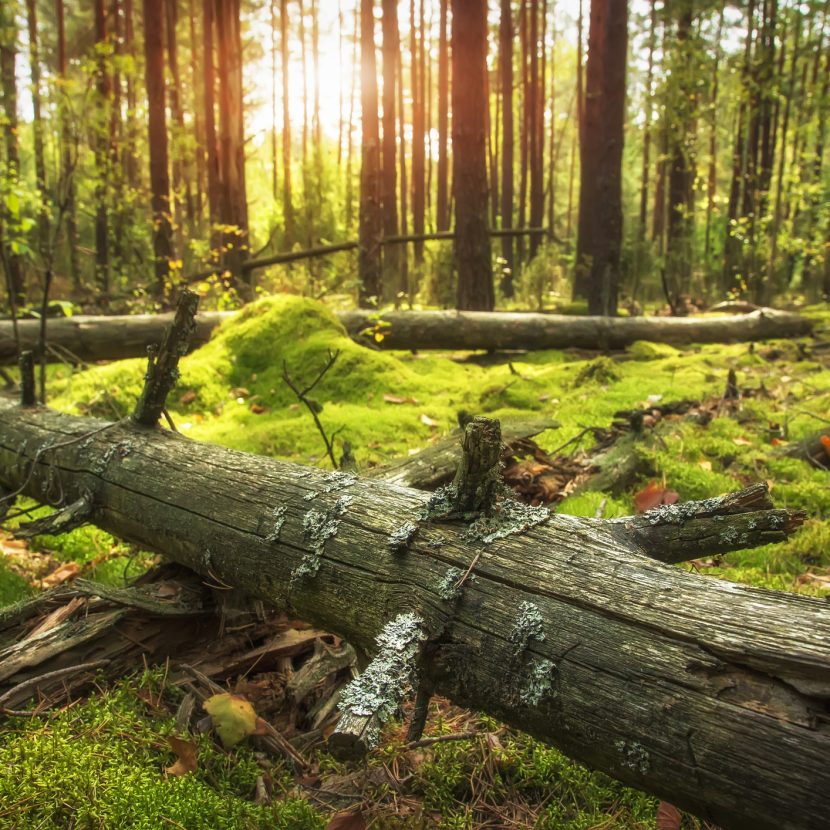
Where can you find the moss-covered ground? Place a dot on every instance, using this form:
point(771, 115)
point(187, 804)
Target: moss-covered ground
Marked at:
point(100, 763)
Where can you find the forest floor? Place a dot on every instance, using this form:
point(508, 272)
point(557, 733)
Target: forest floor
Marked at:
point(100, 762)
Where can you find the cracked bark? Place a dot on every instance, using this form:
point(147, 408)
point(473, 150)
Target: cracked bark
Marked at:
point(709, 694)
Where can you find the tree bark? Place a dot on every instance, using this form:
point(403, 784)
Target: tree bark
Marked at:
point(37, 129)
point(102, 151)
point(287, 204)
point(391, 51)
point(209, 98)
point(369, 267)
point(601, 174)
point(565, 627)
point(507, 162)
point(442, 204)
point(233, 201)
point(157, 127)
point(473, 261)
point(116, 338)
point(418, 161)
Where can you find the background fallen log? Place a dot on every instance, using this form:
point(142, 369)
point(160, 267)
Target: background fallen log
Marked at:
point(115, 338)
point(712, 695)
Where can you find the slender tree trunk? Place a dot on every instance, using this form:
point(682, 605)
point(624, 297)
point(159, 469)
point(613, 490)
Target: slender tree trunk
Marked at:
point(582, 265)
point(391, 50)
point(371, 221)
point(287, 203)
point(130, 150)
point(404, 252)
point(712, 177)
point(233, 205)
point(209, 93)
point(174, 91)
point(647, 105)
point(524, 129)
point(352, 96)
point(157, 137)
point(37, 128)
point(469, 142)
point(15, 281)
point(442, 209)
point(198, 122)
point(316, 125)
point(67, 162)
point(103, 102)
point(507, 162)
point(274, 152)
point(601, 176)
point(537, 173)
point(418, 171)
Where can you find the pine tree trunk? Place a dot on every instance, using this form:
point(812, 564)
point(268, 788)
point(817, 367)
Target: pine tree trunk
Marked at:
point(37, 130)
point(287, 199)
point(418, 169)
point(157, 140)
point(473, 261)
point(536, 125)
point(209, 97)
point(507, 162)
point(233, 205)
point(371, 221)
point(103, 102)
point(391, 51)
point(442, 208)
point(66, 163)
point(601, 177)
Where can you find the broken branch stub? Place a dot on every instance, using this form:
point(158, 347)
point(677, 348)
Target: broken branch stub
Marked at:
point(477, 483)
point(163, 363)
point(374, 697)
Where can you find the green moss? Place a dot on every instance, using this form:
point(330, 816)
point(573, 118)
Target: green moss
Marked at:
point(588, 503)
point(12, 586)
point(101, 765)
point(645, 350)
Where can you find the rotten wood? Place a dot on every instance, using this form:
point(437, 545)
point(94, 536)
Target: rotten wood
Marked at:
point(115, 338)
point(706, 693)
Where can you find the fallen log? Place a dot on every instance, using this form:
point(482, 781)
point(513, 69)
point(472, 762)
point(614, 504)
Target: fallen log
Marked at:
point(711, 695)
point(115, 338)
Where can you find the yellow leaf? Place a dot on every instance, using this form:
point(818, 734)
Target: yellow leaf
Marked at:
point(233, 718)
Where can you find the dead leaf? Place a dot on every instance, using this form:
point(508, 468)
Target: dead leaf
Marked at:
point(705, 465)
point(825, 442)
point(398, 398)
point(240, 392)
point(653, 495)
point(427, 421)
point(741, 441)
point(294, 407)
point(188, 397)
point(187, 754)
point(347, 821)
point(233, 718)
point(668, 817)
point(258, 408)
point(64, 573)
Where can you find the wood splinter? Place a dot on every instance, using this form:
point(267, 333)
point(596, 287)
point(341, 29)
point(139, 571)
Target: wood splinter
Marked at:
point(163, 361)
point(74, 515)
point(376, 695)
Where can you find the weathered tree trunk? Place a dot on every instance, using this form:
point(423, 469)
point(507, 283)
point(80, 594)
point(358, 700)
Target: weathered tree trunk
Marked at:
point(157, 126)
point(115, 338)
point(369, 269)
point(709, 694)
point(473, 261)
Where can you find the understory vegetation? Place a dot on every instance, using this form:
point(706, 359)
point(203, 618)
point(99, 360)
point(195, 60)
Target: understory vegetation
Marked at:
point(100, 763)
